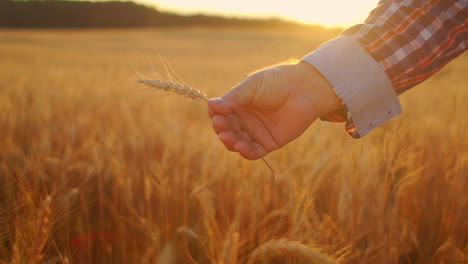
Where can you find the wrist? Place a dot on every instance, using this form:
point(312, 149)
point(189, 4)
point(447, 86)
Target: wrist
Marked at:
point(318, 89)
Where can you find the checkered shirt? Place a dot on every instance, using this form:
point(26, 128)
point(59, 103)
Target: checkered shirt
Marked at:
point(411, 40)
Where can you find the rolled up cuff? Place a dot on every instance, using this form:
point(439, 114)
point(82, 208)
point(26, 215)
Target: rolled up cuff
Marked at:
point(358, 80)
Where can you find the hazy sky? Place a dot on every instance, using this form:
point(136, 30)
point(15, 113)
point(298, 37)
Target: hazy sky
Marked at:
point(327, 12)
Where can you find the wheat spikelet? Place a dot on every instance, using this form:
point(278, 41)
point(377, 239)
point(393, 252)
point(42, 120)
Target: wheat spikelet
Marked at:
point(283, 247)
point(177, 88)
point(42, 232)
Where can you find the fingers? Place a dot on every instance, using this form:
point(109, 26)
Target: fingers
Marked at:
point(211, 113)
point(229, 139)
point(257, 130)
point(219, 123)
point(250, 150)
point(236, 139)
point(241, 143)
point(225, 123)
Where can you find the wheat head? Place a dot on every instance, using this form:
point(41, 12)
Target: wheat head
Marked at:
point(175, 87)
point(42, 232)
point(283, 248)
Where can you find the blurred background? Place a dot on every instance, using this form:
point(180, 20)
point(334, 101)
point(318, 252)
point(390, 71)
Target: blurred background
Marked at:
point(179, 12)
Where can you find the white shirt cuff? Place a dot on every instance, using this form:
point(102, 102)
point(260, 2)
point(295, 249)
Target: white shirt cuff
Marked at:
point(359, 80)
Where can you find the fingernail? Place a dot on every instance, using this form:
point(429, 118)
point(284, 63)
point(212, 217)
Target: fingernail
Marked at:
point(217, 100)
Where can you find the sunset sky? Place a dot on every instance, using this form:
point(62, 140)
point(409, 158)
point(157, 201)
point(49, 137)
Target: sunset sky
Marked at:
point(326, 12)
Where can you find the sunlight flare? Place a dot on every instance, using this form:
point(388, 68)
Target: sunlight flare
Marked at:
point(329, 13)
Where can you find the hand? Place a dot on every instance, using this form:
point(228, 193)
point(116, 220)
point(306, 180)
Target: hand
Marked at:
point(271, 108)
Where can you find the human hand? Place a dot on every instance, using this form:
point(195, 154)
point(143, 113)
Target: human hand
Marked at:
point(270, 108)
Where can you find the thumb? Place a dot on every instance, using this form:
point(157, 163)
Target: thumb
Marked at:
point(238, 96)
point(220, 106)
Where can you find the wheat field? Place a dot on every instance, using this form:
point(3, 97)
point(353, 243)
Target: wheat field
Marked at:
point(96, 168)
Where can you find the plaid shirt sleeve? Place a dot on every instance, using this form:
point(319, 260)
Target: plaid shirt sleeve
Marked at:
point(410, 40)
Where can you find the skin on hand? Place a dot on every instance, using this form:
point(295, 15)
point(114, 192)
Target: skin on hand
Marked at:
point(270, 108)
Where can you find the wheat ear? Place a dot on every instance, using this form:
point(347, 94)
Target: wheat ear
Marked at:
point(42, 232)
point(192, 93)
point(177, 88)
point(283, 247)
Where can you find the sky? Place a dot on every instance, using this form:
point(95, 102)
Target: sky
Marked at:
point(326, 12)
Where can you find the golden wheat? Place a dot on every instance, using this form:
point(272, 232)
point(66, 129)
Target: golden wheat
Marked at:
point(167, 255)
point(122, 183)
point(177, 88)
point(65, 260)
point(15, 255)
point(230, 246)
point(42, 232)
point(285, 248)
point(184, 233)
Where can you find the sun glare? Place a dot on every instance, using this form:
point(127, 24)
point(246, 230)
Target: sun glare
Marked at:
point(328, 13)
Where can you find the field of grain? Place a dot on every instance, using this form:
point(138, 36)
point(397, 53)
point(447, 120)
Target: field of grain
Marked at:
point(96, 168)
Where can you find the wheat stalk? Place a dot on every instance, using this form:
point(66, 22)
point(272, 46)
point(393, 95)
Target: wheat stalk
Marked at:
point(167, 255)
point(65, 260)
point(15, 255)
point(230, 247)
point(194, 94)
point(283, 247)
